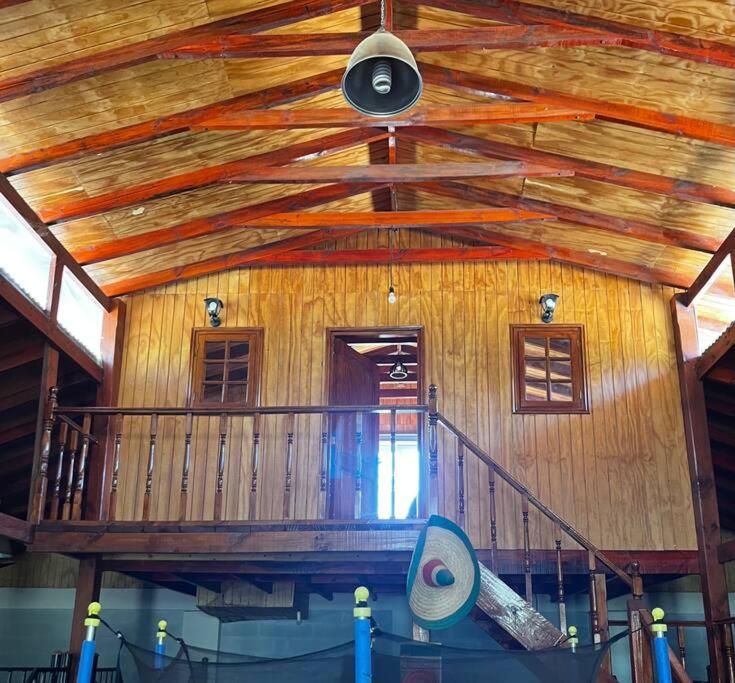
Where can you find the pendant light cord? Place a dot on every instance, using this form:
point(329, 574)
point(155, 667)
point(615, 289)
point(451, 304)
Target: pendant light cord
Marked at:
point(390, 258)
point(382, 15)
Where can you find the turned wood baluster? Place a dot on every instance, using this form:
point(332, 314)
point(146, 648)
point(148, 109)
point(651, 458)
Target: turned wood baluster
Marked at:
point(183, 498)
point(41, 486)
point(460, 483)
point(560, 582)
point(527, 550)
point(149, 468)
point(116, 465)
point(728, 652)
point(493, 520)
point(69, 490)
point(55, 511)
point(433, 451)
point(289, 464)
point(254, 464)
point(323, 474)
point(221, 455)
point(393, 463)
point(594, 613)
point(358, 465)
point(681, 640)
point(76, 512)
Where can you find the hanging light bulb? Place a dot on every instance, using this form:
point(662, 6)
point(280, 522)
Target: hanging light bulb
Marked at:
point(392, 295)
point(398, 369)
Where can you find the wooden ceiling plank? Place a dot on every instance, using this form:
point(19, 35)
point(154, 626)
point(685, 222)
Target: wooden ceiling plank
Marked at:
point(515, 37)
point(711, 270)
point(443, 115)
point(685, 126)
point(162, 126)
point(684, 190)
point(221, 222)
point(630, 228)
point(262, 19)
point(661, 42)
point(204, 177)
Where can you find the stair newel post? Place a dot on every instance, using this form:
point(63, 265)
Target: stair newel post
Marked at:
point(150, 466)
point(221, 457)
point(358, 464)
point(82, 468)
point(324, 470)
point(460, 484)
point(493, 520)
point(290, 428)
point(527, 550)
point(594, 612)
point(560, 581)
point(41, 487)
point(184, 495)
point(115, 465)
point(393, 463)
point(641, 662)
point(55, 511)
point(254, 465)
point(69, 488)
point(433, 451)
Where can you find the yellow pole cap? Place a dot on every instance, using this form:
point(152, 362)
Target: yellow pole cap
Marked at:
point(361, 595)
point(94, 609)
point(572, 631)
point(658, 626)
point(658, 614)
point(362, 611)
point(162, 625)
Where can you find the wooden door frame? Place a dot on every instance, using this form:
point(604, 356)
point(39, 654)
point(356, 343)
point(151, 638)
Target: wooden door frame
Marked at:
point(398, 330)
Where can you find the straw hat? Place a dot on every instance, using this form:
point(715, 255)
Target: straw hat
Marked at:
point(444, 577)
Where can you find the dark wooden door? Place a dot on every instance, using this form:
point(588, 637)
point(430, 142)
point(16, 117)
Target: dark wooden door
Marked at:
point(354, 381)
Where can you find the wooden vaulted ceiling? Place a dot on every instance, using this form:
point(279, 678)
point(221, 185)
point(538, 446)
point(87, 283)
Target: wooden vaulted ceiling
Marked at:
point(162, 139)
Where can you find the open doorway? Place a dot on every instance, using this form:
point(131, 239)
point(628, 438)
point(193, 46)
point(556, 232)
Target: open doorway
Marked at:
point(376, 366)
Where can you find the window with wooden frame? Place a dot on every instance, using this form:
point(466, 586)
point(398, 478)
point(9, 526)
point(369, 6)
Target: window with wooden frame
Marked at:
point(548, 369)
point(226, 366)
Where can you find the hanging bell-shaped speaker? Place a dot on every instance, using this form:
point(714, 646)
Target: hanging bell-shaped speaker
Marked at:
point(382, 78)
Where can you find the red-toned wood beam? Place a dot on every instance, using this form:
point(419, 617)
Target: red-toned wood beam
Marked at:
point(11, 3)
point(32, 351)
point(17, 432)
point(14, 528)
point(303, 151)
point(684, 190)
point(710, 271)
point(631, 228)
point(398, 173)
point(221, 222)
point(263, 19)
point(456, 115)
point(661, 42)
point(231, 46)
point(685, 126)
point(170, 124)
point(220, 263)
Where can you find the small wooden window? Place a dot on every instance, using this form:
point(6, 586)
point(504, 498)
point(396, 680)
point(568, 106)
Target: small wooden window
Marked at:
point(226, 367)
point(548, 369)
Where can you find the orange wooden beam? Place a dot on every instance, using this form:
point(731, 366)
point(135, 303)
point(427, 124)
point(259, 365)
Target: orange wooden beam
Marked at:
point(470, 114)
point(685, 126)
point(191, 180)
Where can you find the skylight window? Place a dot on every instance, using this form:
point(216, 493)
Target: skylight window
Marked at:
point(80, 314)
point(24, 257)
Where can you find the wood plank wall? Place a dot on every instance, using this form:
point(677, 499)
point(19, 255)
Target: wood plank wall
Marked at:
point(618, 474)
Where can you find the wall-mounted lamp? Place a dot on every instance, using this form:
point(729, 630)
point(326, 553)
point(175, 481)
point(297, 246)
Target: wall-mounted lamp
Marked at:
point(213, 307)
point(548, 306)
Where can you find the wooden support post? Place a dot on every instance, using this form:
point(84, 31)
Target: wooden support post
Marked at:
point(55, 511)
point(39, 489)
point(728, 653)
point(254, 464)
point(291, 420)
point(358, 464)
point(641, 664)
point(594, 615)
point(701, 474)
point(560, 581)
point(221, 454)
point(115, 466)
point(433, 451)
point(89, 580)
point(183, 498)
point(76, 510)
point(149, 467)
point(603, 626)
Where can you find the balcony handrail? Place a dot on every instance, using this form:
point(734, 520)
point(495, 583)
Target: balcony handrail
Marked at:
point(237, 412)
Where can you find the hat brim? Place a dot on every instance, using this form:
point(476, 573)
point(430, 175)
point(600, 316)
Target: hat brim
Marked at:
point(433, 607)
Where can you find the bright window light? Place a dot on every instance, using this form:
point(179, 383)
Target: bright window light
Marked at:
point(80, 314)
point(406, 478)
point(24, 257)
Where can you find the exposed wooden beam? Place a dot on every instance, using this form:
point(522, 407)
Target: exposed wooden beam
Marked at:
point(684, 190)
point(17, 432)
point(33, 351)
point(623, 226)
point(15, 529)
point(398, 173)
point(475, 84)
point(711, 270)
point(233, 45)
point(262, 19)
point(221, 222)
point(661, 42)
point(715, 352)
point(337, 117)
point(302, 151)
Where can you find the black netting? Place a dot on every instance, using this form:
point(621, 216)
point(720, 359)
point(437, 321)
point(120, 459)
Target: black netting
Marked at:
point(395, 660)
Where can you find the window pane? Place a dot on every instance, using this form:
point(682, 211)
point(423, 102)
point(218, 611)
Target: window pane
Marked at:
point(560, 348)
point(212, 393)
point(560, 369)
point(214, 350)
point(561, 392)
point(237, 372)
point(536, 370)
point(239, 350)
point(536, 391)
point(214, 372)
point(80, 314)
point(535, 348)
point(24, 257)
point(236, 393)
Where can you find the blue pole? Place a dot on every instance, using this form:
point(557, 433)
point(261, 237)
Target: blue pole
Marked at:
point(160, 645)
point(86, 657)
point(660, 647)
point(363, 637)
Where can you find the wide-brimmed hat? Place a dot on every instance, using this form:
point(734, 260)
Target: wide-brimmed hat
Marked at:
point(444, 577)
